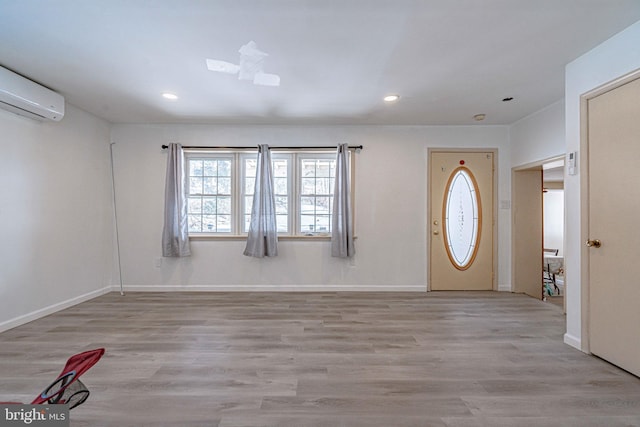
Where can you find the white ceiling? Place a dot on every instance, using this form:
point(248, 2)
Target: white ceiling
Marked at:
point(448, 59)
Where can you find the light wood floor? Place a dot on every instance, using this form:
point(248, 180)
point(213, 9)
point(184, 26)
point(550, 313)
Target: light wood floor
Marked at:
point(321, 359)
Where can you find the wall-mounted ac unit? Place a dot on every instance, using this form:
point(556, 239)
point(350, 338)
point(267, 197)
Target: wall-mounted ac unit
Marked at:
point(27, 98)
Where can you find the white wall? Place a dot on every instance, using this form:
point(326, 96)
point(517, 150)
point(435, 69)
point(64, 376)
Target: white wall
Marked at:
point(539, 136)
point(55, 214)
point(614, 58)
point(391, 190)
point(553, 220)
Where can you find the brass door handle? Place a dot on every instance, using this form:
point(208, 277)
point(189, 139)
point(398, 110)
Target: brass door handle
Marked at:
point(593, 243)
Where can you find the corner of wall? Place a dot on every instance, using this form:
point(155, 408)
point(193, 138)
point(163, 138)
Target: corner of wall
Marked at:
point(573, 341)
point(53, 308)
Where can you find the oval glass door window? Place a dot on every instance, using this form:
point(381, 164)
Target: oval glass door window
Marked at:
point(462, 213)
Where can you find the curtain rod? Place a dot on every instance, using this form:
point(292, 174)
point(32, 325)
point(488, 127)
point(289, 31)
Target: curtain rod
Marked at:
point(193, 147)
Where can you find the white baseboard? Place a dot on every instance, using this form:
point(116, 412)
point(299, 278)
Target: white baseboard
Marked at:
point(270, 288)
point(573, 341)
point(34, 315)
point(504, 287)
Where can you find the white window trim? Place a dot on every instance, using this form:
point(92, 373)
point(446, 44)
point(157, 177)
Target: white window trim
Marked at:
point(234, 182)
point(297, 180)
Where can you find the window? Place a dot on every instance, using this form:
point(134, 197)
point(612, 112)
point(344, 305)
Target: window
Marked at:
point(210, 194)
point(281, 185)
point(462, 210)
point(220, 192)
point(317, 179)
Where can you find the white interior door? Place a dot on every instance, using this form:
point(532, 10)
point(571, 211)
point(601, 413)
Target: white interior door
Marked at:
point(614, 212)
point(461, 221)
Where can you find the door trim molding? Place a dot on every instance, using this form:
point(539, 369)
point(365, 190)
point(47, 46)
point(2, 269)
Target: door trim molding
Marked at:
point(494, 236)
point(583, 167)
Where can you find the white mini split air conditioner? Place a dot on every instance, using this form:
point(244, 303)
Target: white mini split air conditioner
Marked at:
point(27, 98)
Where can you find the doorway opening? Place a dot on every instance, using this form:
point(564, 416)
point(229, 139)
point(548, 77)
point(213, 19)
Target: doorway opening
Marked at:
point(538, 230)
point(553, 231)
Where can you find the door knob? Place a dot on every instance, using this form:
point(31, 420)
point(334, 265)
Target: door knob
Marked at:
point(436, 232)
point(593, 243)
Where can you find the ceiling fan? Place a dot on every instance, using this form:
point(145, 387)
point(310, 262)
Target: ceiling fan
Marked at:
point(250, 66)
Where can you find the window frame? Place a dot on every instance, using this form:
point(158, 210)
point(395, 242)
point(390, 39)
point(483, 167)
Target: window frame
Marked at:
point(243, 194)
point(238, 193)
point(299, 158)
point(188, 195)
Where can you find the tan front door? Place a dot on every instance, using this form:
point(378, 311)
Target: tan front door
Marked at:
point(461, 221)
point(614, 212)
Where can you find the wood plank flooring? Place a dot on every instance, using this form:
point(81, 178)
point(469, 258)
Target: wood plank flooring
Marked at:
point(454, 359)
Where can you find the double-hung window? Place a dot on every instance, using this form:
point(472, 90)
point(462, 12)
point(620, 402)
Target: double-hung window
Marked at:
point(210, 194)
point(220, 189)
point(281, 165)
point(316, 178)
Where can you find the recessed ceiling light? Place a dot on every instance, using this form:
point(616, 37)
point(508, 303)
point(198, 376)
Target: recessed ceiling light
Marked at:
point(479, 117)
point(391, 98)
point(170, 96)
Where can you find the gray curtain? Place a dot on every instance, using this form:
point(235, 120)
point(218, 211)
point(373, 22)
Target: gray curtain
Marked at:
point(263, 232)
point(342, 221)
point(175, 235)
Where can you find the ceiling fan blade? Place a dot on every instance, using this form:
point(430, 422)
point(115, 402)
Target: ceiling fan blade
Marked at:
point(249, 68)
point(265, 79)
point(222, 66)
